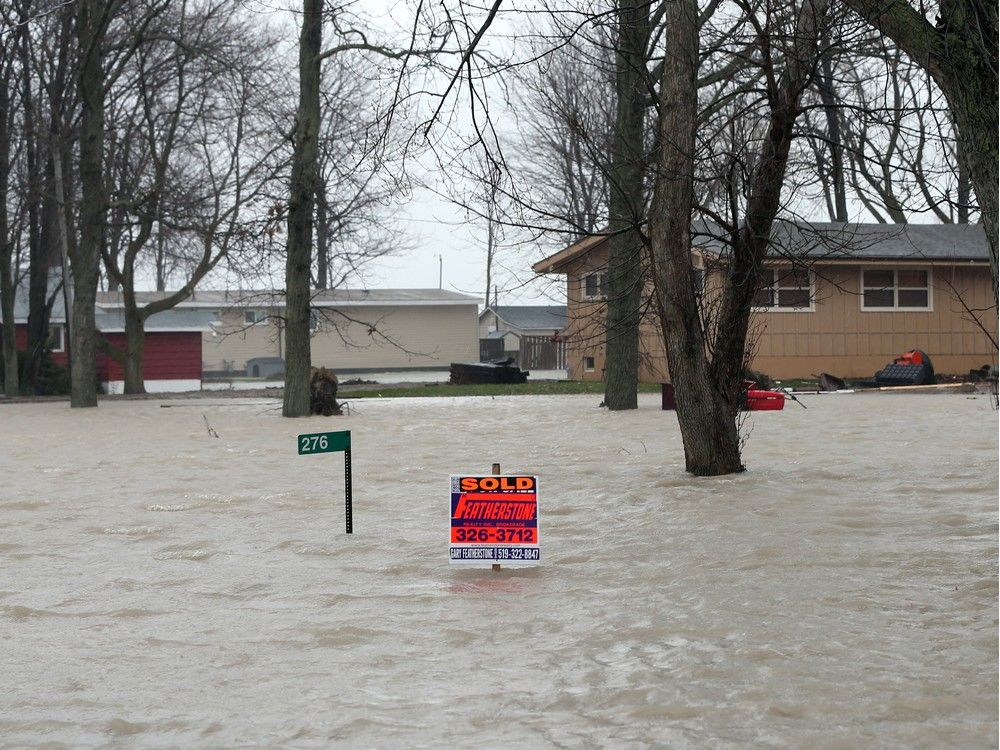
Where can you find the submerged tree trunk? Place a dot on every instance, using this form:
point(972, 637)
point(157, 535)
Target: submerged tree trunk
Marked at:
point(706, 416)
point(135, 345)
point(708, 389)
point(300, 215)
point(91, 27)
point(626, 209)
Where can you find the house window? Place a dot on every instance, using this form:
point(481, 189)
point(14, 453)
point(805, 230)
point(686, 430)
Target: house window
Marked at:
point(252, 317)
point(595, 286)
point(588, 364)
point(56, 342)
point(784, 288)
point(895, 289)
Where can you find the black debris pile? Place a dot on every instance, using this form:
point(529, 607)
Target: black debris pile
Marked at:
point(323, 392)
point(912, 368)
point(499, 371)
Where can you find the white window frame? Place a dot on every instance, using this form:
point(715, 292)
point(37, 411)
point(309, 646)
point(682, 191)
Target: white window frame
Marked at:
point(895, 288)
point(602, 281)
point(62, 337)
point(258, 315)
point(775, 308)
point(593, 364)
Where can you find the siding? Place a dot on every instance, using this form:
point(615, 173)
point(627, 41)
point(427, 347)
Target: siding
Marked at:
point(359, 338)
point(21, 341)
point(586, 331)
point(234, 342)
point(837, 337)
point(167, 356)
point(841, 338)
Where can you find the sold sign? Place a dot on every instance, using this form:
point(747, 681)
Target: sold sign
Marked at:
point(494, 519)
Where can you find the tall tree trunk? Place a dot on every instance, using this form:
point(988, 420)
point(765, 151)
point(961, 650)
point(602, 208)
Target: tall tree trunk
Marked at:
point(708, 428)
point(62, 227)
point(974, 109)
point(625, 209)
point(964, 188)
point(10, 374)
point(38, 260)
point(322, 236)
point(826, 92)
point(300, 215)
point(91, 27)
point(489, 260)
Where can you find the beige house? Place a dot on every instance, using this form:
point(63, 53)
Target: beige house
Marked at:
point(839, 298)
point(353, 330)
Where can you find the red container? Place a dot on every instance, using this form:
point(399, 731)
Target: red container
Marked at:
point(765, 400)
point(667, 401)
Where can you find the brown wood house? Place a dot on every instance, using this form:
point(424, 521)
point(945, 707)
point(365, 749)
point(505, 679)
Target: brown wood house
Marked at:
point(839, 298)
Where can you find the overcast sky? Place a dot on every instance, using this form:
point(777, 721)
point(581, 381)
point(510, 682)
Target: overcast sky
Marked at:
point(448, 246)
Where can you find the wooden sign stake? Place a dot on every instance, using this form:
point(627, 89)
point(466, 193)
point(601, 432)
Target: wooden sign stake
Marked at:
point(496, 473)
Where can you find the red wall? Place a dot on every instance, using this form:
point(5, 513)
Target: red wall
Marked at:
point(21, 337)
point(168, 355)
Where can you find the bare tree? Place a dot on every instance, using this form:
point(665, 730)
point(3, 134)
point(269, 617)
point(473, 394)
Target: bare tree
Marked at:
point(707, 365)
point(92, 25)
point(188, 153)
point(302, 192)
point(565, 111)
point(958, 48)
point(7, 244)
point(350, 37)
point(361, 177)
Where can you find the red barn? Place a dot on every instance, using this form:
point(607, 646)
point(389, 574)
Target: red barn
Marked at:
point(172, 360)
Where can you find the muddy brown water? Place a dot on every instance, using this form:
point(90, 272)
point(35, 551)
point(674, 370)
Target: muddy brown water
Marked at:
point(162, 587)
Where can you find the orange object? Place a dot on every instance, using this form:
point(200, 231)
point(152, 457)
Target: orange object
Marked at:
point(913, 357)
point(765, 400)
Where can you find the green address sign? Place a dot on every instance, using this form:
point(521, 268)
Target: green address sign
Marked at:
point(325, 442)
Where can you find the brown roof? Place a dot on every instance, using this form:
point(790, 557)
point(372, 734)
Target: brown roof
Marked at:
point(554, 263)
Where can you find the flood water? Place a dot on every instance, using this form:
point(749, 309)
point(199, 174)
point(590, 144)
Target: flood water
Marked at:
point(160, 586)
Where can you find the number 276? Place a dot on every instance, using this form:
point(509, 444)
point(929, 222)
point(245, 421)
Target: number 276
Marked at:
point(314, 442)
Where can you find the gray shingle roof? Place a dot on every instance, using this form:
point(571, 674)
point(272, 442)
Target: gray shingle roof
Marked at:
point(177, 319)
point(547, 317)
point(846, 241)
point(817, 241)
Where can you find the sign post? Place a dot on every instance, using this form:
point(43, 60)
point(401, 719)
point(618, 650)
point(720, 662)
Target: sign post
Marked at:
point(333, 442)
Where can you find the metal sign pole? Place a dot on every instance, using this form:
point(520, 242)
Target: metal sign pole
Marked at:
point(349, 510)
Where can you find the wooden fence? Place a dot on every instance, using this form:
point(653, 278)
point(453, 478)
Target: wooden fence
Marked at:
point(535, 353)
point(542, 353)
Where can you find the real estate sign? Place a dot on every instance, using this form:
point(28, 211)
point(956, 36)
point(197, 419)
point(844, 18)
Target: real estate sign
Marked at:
point(494, 520)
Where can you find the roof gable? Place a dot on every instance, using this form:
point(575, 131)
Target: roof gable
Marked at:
point(546, 317)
